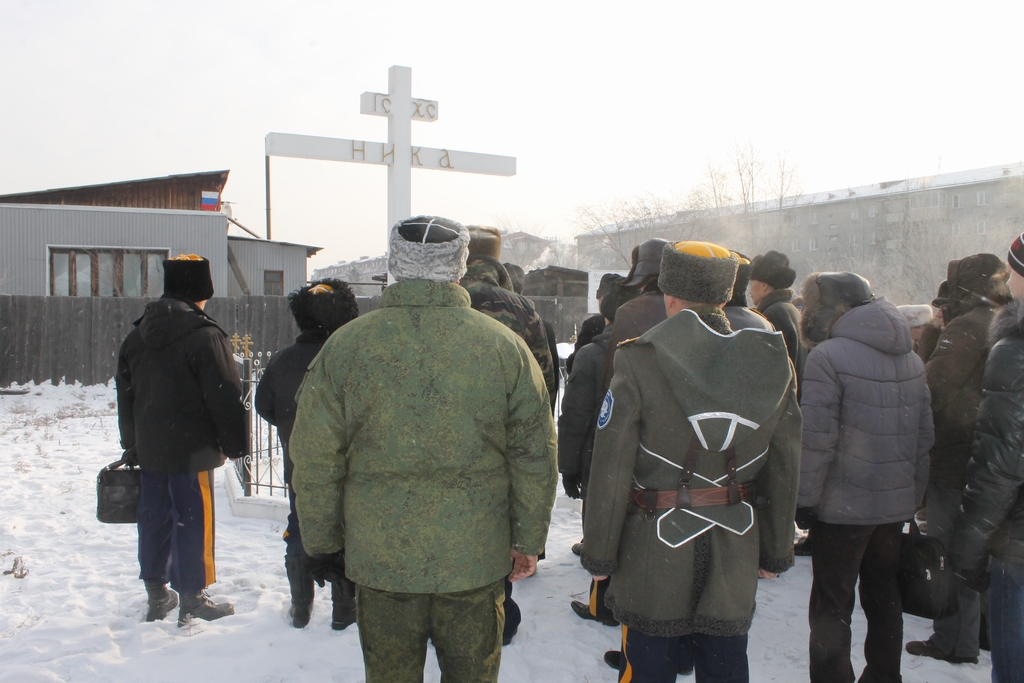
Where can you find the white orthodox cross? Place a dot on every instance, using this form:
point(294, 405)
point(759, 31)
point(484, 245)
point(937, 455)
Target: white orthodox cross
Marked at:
point(398, 153)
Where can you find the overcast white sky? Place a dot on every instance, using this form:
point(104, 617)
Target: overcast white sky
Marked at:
point(595, 99)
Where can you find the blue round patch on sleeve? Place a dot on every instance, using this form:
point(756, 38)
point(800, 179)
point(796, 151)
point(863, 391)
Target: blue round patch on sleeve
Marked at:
point(606, 410)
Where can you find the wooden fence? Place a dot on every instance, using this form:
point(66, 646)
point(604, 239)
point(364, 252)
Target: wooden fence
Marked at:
point(50, 338)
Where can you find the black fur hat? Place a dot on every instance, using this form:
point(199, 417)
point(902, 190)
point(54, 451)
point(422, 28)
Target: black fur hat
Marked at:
point(772, 269)
point(323, 304)
point(700, 272)
point(187, 277)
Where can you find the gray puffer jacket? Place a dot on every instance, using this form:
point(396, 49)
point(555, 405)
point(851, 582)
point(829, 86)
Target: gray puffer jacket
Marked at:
point(867, 421)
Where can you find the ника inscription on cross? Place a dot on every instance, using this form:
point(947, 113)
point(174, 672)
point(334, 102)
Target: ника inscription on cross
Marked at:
point(398, 153)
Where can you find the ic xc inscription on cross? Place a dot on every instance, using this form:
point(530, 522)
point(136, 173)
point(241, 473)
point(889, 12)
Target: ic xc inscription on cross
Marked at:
point(398, 153)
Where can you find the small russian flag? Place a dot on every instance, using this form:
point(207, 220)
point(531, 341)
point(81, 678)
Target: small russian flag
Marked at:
point(211, 201)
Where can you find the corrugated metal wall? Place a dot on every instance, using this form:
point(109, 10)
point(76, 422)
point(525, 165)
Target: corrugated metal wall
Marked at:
point(47, 338)
point(256, 256)
point(26, 232)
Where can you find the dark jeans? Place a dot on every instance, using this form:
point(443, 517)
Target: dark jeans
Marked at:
point(1006, 622)
point(653, 659)
point(176, 530)
point(465, 628)
point(841, 554)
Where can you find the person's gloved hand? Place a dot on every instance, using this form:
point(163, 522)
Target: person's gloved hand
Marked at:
point(130, 457)
point(805, 518)
point(571, 484)
point(326, 567)
point(976, 580)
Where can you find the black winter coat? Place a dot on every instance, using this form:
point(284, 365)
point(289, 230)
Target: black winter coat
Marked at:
point(275, 395)
point(785, 317)
point(581, 403)
point(178, 391)
point(991, 520)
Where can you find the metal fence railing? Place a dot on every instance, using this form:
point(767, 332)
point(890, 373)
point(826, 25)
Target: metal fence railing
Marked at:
point(261, 473)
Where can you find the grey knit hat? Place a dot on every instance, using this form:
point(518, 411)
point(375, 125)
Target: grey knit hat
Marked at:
point(700, 272)
point(428, 248)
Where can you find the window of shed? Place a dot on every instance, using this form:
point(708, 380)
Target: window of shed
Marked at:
point(82, 271)
point(273, 283)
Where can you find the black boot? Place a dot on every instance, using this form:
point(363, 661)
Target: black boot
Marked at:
point(161, 601)
point(343, 595)
point(513, 616)
point(301, 584)
point(199, 606)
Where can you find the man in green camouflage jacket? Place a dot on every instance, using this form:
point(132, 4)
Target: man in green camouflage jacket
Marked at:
point(424, 447)
point(490, 290)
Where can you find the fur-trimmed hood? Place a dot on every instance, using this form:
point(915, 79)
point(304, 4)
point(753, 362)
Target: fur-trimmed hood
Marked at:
point(975, 280)
point(843, 292)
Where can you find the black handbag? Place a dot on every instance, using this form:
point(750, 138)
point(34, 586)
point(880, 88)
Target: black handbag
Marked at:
point(117, 492)
point(926, 576)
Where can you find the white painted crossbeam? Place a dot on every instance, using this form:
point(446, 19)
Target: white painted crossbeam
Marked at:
point(366, 152)
point(328, 149)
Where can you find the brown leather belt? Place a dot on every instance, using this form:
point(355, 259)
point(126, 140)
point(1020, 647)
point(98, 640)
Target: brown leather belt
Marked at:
point(647, 500)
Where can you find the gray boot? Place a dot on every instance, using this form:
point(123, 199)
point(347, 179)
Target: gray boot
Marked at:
point(161, 601)
point(199, 606)
point(300, 582)
point(343, 595)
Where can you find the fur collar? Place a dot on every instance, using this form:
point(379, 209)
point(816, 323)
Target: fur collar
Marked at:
point(1008, 322)
point(773, 297)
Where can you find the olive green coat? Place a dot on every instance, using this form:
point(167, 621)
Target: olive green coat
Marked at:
point(423, 445)
point(674, 572)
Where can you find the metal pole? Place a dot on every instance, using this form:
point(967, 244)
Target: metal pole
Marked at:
point(268, 196)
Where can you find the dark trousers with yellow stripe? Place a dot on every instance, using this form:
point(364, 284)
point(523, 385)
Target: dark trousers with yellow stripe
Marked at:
point(655, 659)
point(598, 589)
point(176, 530)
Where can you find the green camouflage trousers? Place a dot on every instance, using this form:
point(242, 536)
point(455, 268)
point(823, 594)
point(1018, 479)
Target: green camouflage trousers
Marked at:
point(465, 628)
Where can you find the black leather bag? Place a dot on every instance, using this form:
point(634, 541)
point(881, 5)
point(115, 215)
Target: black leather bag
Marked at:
point(925, 577)
point(117, 492)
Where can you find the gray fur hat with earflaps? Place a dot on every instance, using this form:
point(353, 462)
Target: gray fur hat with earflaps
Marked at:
point(428, 248)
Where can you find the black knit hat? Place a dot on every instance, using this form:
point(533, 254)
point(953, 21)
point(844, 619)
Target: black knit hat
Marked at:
point(772, 269)
point(1015, 257)
point(323, 304)
point(187, 277)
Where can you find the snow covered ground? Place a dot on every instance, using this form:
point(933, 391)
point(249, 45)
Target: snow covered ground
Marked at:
point(77, 613)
